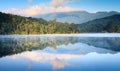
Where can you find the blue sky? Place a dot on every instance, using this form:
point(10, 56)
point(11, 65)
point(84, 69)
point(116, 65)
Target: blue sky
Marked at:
point(23, 6)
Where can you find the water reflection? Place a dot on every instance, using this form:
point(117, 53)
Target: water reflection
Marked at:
point(56, 60)
point(59, 53)
point(11, 45)
point(36, 61)
point(16, 44)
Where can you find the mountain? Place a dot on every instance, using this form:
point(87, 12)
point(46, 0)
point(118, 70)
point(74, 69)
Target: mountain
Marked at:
point(13, 24)
point(76, 17)
point(109, 24)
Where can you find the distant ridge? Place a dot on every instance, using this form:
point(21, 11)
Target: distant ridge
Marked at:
point(76, 17)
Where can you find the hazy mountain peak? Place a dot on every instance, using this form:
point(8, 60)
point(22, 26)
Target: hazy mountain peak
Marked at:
point(76, 17)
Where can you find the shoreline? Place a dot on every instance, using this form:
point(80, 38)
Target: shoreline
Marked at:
point(71, 35)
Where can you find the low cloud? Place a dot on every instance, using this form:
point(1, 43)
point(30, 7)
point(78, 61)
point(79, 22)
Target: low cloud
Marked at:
point(53, 6)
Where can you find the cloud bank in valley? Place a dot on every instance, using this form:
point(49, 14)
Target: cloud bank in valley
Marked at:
point(52, 6)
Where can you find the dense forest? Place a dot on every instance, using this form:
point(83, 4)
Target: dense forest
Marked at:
point(109, 24)
point(14, 24)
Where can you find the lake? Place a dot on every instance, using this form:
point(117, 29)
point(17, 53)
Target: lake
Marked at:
point(78, 52)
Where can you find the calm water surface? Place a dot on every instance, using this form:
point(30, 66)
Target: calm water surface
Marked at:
point(59, 53)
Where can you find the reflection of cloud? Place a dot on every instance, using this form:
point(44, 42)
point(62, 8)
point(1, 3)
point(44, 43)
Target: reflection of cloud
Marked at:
point(57, 60)
point(29, 66)
point(58, 64)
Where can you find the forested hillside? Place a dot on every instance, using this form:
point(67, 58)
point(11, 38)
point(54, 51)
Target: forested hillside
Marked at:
point(109, 24)
point(13, 24)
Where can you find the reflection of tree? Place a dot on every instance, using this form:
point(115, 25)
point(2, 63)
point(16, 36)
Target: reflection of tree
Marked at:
point(25, 43)
point(111, 43)
point(17, 44)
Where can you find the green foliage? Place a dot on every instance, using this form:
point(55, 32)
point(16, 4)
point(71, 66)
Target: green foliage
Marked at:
point(108, 24)
point(13, 24)
point(113, 27)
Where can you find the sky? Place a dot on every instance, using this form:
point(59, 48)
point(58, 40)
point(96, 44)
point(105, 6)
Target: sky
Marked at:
point(36, 7)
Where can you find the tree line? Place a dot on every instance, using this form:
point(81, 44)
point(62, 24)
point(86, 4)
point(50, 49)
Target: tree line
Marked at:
point(14, 24)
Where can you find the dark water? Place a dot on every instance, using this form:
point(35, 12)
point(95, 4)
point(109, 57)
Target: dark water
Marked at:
point(59, 53)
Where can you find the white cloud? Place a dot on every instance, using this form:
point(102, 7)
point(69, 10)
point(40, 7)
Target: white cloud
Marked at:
point(30, 2)
point(57, 3)
point(39, 9)
point(53, 6)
